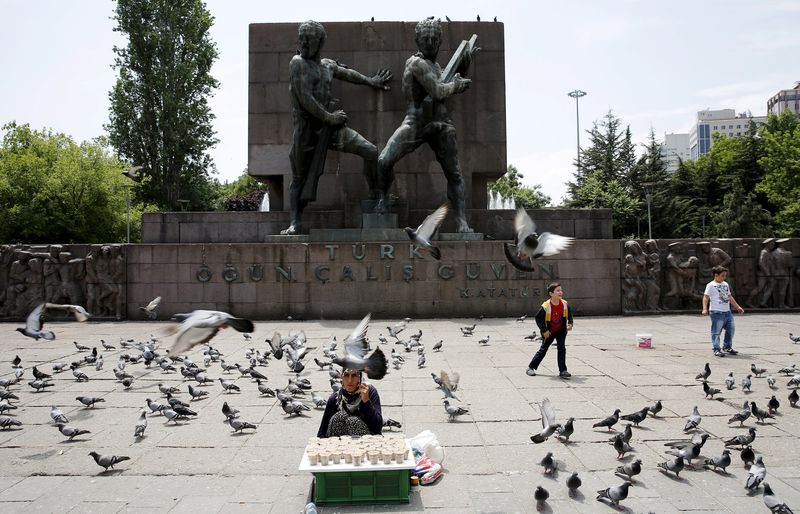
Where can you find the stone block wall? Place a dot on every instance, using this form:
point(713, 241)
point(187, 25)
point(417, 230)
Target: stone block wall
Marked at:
point(346, 280)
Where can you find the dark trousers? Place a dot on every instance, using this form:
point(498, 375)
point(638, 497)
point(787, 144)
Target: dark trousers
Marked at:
point(560, 337)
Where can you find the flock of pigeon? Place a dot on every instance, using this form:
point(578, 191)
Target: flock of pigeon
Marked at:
point(199, 327)
point(528, 244)
point(194, 329)
point(681, 452)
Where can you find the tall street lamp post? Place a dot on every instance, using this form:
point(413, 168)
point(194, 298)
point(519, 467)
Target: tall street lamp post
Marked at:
point(576, 95)
point(649, 197)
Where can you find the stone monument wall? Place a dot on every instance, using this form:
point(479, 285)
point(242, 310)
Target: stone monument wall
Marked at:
point(479, 114)
point(392, 278)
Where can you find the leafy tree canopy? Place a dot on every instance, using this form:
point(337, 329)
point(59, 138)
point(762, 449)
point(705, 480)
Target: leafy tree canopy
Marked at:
point(159, 115)
point(55, 190)
point(510, 186)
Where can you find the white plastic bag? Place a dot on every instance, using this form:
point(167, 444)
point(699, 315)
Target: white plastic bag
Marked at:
point(428, 443)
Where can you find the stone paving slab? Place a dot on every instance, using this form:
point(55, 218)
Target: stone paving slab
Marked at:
point(491, 465)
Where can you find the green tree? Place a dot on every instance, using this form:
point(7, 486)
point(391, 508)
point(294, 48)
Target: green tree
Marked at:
point(159, 115)
point(781, 164)
point(510, 186)
point(610, 153)
point(54, 190)
point(598, 193)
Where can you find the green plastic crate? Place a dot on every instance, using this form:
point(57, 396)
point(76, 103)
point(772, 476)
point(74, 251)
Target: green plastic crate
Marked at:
point(362, 487)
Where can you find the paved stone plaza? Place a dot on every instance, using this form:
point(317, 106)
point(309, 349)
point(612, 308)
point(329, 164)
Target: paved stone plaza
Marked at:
point(200, 466)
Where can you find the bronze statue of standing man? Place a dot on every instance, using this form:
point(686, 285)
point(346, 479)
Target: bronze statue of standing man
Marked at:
point(427, 120)
point(318, 125)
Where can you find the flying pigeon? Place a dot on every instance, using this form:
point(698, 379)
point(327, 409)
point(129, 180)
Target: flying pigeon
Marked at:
point(449, 384)
point(356, 348)
point(151, 309)
point(422, 235)
point(198, 327)
point(134, 173)
point(528, 245)
point(34, 323)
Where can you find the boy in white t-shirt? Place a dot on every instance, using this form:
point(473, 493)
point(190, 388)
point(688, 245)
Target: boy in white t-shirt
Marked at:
point(717, 301)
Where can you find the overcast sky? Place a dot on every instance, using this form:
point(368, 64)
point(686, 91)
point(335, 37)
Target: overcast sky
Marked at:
point(653, 63)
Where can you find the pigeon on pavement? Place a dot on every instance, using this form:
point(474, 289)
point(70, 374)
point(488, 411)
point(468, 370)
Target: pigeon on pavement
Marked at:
point(703, 375)
point(567, 430)
point(773, 503)
point(549, 425)
point(108, 461)
point(710, 391)
point(756, 474)
point(630, 469)
point(615, 494)
point(453, 411)
point(609, 421)
point(89, 401)
point(655, 409)
point(573, 483)
point(756, 370)
point(636, 417)
point(238, 426)
point(729, 381)
point(540, 495)
point(57, 415)
point(723, 461)
point(141, 425)
point(759, 413)
point(7, 422)
point(549, 464)
point(70, 432)
point(675, 465)
point(742, 439)
point(742, 415)
point(693, 420)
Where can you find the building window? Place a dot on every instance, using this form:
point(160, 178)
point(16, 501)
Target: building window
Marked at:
point(715, 127)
